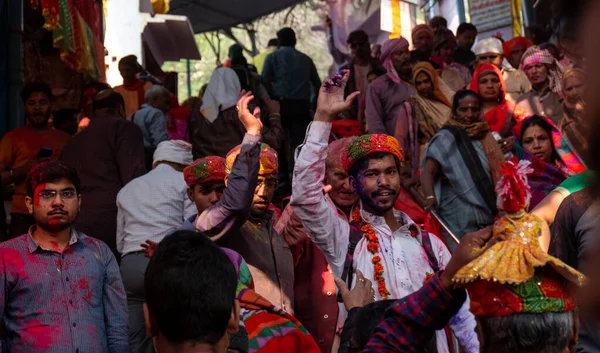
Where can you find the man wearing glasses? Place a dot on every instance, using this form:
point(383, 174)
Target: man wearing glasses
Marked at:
point(62, 289)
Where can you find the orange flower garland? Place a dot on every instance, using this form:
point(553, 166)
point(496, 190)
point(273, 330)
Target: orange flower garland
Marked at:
point(373, 248)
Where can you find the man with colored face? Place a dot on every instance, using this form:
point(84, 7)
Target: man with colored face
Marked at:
point(545, 76)
point(314, 288)
point(22, 148)
point(384, 244)
point(63, 291)
point(444, 47)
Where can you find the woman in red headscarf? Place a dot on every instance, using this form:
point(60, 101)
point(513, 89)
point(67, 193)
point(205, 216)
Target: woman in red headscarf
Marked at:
point(500, 114)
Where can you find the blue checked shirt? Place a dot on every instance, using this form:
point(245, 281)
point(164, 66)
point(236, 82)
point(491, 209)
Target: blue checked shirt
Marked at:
point(69, 302)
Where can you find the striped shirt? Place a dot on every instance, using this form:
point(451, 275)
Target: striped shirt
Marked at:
point(69, 302)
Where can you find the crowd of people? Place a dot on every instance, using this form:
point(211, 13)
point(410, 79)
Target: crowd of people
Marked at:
point(280, 212)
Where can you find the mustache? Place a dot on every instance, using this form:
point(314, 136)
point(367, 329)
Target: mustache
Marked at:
point(60, 212)
point(381, 191)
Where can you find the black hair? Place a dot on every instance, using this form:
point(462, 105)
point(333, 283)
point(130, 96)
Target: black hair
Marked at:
point(190, 286)
point(112, 102)
point(364, 163)
point(273, 42)
point(32, 87)
point(358, 36)
point(527, 332)
point(60, 116)
point(51, 172)
point(465, 27)
point(536, 120)
point(286, 37)
point(438, 21)
point(359, 330)
point(463, 93)
point(417, 56)
point(541, 34)
point(378, 71)
point(130, 60)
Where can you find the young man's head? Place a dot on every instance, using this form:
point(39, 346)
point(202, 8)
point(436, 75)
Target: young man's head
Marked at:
point(358, 42)
point(158, 97)
point(341, 193)
point(129, 67)
point(206, 180)
point(273, 43)
point(465, 35)
point(267, 178)
point(65, 120)
point(286, 37)
point(108, 102)
point(373, 163)
point(190, 286)
point(438, 22)
point(37, 97)
point(53, 195)
point(445, 45)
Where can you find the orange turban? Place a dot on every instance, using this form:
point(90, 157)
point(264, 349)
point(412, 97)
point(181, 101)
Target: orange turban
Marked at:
point(268, 159)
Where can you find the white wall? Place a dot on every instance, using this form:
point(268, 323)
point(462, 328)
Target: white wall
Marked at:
point(124, 25)
point(449, 10)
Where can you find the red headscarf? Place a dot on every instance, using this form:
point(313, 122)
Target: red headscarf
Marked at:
point(508, 46)
point(496, 117)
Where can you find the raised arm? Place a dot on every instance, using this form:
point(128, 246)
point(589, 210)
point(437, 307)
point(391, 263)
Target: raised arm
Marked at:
point(232, 209)
point(308, 202)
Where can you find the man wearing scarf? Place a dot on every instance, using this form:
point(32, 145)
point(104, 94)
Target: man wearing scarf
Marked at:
point(387, 93)
point(490, 51)
point(545, 76)
point(132, 89)
point(150, 207)
point(422, 38)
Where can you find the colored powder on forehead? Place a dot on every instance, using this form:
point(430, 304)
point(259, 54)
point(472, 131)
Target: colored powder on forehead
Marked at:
point(36, 194)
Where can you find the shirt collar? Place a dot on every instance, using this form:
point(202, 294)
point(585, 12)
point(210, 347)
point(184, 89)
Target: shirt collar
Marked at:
point(406, 223)
point(32, 245)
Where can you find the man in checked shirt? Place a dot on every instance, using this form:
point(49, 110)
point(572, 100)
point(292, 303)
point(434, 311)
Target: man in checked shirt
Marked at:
point(62, 290)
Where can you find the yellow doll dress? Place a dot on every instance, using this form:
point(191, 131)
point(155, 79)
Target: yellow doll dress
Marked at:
point(514, 260)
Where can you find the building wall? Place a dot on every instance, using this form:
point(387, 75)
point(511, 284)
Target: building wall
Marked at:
point(449, 10)
point(124, 26)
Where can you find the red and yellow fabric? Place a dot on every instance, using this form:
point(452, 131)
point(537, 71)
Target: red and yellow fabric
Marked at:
point(515, 275)
point(369, 144)
point(80, 48)
point(204, 170)
point(270, 329)
point(268, 159)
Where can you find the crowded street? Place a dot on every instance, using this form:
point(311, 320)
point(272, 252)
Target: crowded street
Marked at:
point(323, 176)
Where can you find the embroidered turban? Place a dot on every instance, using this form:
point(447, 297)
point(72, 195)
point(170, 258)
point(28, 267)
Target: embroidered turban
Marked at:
point(268, 159)
point(204, 170)
point(369, 144)
point(175, 151)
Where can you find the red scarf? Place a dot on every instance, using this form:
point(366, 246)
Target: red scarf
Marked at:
point(138, 86)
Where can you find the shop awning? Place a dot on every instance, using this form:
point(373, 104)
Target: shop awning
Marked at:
point(170, 38)
point(211, 15)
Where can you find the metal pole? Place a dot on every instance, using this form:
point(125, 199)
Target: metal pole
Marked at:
point(417, 195)
point(460, 8)
point(189, 77)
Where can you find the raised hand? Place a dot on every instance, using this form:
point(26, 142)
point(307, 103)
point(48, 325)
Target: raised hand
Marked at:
point(331, 100)
point(251, 121)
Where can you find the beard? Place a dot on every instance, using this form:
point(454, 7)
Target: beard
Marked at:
point(371, 204)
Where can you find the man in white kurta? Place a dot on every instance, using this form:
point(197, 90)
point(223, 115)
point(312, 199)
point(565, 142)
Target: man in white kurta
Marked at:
point(405, 261)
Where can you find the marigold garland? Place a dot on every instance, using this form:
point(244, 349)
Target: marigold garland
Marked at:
point(373, 248)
